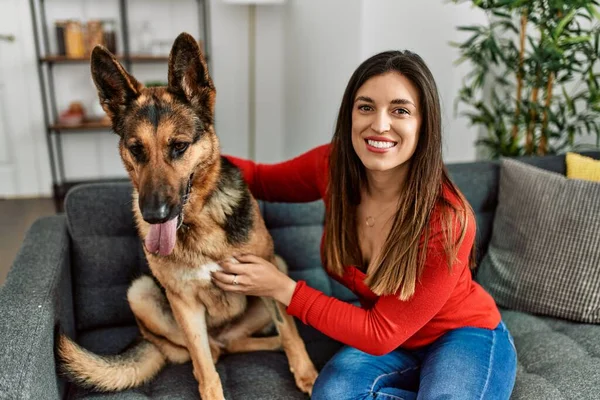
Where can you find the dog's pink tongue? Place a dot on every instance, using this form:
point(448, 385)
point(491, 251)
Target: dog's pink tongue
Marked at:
point(161, 238)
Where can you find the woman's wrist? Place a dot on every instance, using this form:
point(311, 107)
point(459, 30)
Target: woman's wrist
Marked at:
point(285, 293)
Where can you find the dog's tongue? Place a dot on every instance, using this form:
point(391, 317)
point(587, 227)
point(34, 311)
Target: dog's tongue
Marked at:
point(161, 238)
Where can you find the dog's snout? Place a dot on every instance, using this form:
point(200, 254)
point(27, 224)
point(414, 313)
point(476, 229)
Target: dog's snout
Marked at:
point(156, 210)
point(156, 215)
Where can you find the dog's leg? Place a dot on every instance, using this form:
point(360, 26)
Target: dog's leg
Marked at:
point(174, 353)
point(249, 344)
point(255, 318)
point(151, 307)
point(156, 322)
point(191, 316)
point(301, 365)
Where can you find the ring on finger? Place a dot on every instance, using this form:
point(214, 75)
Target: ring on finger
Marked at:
point(235, 282)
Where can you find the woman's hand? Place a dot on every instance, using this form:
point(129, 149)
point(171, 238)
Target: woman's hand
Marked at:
point(254, 276)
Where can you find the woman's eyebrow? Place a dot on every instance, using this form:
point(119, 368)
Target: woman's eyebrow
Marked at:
point(395, 101)
point(364, 98)
point(403, 101)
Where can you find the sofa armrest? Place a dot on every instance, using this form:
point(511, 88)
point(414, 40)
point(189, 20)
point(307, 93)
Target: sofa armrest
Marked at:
point(34, 301)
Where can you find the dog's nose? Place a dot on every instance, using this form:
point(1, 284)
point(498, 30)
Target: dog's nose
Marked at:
point(156, 215)
point(156, 210)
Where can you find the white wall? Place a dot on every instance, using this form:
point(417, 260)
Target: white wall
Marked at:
point(270, 84)
point(322, 49)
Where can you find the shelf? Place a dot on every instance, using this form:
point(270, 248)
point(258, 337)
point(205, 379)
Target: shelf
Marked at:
point(85, 126)
point(78, 60)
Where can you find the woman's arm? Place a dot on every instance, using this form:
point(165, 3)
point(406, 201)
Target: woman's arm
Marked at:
point(390, 322)
point(301, 179)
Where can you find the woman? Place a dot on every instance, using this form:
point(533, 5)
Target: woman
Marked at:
point(400, 235)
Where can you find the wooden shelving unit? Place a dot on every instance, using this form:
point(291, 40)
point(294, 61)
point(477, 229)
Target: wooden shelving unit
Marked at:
point(48, 61)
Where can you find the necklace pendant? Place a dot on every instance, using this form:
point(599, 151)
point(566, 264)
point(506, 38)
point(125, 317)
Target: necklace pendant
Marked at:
point(370, 221)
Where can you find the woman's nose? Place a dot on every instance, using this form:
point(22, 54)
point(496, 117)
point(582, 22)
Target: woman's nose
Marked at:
point(381, 123)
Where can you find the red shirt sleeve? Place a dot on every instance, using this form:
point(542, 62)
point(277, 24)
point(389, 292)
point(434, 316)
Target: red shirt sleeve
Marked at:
point(390, 322)
point(301, 179)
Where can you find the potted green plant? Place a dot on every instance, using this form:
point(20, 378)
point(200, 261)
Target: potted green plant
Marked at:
point(533, 85)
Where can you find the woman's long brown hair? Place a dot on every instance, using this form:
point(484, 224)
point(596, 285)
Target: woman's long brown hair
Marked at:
point(403, 254)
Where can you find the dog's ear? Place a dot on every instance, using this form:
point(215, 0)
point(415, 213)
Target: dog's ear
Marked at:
point(188, 72)
point(116, 88)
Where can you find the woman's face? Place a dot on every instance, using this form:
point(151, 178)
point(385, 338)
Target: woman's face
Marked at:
point(386, 122)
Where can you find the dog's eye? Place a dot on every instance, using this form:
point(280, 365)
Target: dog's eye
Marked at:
point(136, 150)
point(180, 147)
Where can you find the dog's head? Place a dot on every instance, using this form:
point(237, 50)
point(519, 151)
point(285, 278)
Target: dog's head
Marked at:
point(166, 133)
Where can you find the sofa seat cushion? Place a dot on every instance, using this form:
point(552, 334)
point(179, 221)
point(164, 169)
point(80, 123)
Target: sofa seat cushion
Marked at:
point(557, 359)
point(259, 375)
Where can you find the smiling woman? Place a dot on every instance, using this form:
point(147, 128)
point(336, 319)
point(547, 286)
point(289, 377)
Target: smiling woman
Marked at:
point(400, 235)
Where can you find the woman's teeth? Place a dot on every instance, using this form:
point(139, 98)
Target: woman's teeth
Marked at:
point(381, 145)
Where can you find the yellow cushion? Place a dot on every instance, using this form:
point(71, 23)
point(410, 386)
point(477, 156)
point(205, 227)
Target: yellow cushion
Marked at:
point(582, 167)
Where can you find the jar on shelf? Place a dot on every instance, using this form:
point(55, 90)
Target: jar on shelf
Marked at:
point(59, 27)
point(74, 41)
point(95, 35)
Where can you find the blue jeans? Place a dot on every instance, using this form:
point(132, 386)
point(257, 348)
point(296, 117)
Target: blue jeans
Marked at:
point(466, 363)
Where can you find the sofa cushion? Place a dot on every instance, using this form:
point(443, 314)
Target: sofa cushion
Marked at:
point(258, 375)
point(582, 167)
point(557, 359)
point(544, 255)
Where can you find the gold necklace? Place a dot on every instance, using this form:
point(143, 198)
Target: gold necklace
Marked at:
point(370, 220)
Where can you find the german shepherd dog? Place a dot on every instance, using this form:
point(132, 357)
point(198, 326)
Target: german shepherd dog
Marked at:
point(192, 209)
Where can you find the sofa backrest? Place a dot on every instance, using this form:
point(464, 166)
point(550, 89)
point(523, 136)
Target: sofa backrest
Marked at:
point(107, 253)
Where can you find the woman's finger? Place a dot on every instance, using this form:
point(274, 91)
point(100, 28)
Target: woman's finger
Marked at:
point(232, 268)
point(250, 258)
point(225, 278)
point(228, 287)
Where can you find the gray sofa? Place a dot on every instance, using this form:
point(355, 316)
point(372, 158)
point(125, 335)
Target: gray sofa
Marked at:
point(73, 271)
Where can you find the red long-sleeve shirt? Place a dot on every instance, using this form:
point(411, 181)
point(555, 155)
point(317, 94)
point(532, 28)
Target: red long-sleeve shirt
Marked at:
point(443, 300)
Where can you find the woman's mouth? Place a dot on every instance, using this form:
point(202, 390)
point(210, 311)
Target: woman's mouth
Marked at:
point(379, 146)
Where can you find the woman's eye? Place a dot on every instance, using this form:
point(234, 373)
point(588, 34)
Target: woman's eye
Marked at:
point(401, 111)
point(365, 108)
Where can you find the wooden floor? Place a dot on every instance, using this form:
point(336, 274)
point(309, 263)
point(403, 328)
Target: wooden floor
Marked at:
point(16, 216)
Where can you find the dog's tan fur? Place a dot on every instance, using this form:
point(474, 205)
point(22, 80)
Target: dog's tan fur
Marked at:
point(186, 322)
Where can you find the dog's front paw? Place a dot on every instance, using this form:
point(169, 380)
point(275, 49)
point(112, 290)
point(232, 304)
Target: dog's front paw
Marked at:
point(211, 391)
point(305, 377)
